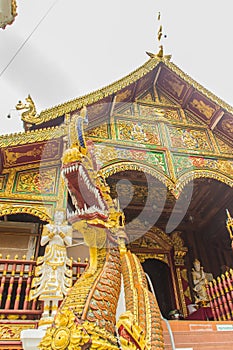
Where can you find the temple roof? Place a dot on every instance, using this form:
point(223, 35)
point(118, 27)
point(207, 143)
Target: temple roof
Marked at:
point(135, 77)
point(157, 72)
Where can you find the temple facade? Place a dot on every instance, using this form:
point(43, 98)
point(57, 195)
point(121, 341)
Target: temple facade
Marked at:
point(164, 145)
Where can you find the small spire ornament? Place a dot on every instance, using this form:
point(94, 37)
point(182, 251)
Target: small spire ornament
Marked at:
point(160, 53)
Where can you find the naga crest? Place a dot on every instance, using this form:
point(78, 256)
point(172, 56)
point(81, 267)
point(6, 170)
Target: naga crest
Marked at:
point(30, 115)
point(88, 189)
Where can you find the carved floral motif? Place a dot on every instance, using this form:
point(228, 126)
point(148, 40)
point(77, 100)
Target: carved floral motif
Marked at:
point(224, 147)
point(99, 131)
point(138, 131)
point(151, 111)
point(12, 332)
point(183, 163)
point(37, 181)
point(189, 138)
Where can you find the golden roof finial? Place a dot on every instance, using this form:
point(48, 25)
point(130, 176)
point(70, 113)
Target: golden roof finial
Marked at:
point(160, 31)
point(159, 38)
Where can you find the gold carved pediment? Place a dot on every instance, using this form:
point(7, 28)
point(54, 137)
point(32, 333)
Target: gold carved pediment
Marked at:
point(154, 239)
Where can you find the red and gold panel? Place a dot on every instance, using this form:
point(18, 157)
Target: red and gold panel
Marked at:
point(126, 94)
point(32, 153)
point(226, 125)
point(145, 83)
point(172, 84)
point(41, 181)
point(99, 109)
point(202, 107)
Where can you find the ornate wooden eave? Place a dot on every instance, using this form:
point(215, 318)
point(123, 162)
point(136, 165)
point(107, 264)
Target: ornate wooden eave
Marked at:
point(33, 136)
point(200, 88)
point(100, 94)
point(155, 71)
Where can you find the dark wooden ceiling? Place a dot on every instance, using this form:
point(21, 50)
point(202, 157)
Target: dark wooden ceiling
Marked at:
point(200, 209)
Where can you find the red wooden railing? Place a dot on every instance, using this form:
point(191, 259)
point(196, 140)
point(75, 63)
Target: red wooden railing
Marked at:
point(15, 284)
point(220, 292)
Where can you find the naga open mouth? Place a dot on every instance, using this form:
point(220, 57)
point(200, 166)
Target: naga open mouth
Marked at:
point(86, 197)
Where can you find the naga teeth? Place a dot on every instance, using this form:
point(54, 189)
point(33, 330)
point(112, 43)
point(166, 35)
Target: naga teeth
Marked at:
point(100, 204)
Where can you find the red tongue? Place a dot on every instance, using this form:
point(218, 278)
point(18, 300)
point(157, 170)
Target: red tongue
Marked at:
point(80, 191)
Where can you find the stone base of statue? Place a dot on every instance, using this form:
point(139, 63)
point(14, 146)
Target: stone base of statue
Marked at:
point(31, 338)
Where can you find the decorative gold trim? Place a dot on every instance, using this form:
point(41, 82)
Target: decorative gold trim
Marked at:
point(181, 290)
point(108, 90)
point(8, 193)
point(11, 332)
point(6, 209)
point(111, 169)
point(22, 138)
point(175, 188)
point(97, 95)
point(197, 174)
point(145, 256)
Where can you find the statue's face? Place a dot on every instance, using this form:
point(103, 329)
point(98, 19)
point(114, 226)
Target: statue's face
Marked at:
point(58, 216)
point(197, 265)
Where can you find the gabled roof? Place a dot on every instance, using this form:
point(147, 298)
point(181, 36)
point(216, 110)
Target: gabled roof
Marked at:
point(158, 72)
point(182, 89)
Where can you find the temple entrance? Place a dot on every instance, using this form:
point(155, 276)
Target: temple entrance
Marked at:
point(20, 236)
point(160, 277)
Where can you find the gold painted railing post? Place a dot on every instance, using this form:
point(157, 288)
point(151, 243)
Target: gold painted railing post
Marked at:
point(228, 287)
point(28, 287)
point(223, 299)
point(3, 280)
point(216, 306)
point(211, 298)
point(19, 288)
point(219, 300)
point(11, 283)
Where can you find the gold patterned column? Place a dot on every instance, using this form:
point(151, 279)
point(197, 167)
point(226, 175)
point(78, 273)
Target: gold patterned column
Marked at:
point(181, 272)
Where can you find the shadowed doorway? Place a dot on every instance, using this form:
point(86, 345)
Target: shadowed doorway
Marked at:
point(160, 276)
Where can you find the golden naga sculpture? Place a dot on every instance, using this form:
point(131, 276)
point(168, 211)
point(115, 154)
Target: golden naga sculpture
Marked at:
point(91, 316)
point(30, 115)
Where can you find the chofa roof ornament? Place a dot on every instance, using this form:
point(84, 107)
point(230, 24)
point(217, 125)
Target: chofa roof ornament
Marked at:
point(29, 116)
point(7, 12)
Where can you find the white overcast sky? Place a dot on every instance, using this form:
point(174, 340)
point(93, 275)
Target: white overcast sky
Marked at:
point(81, 46)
